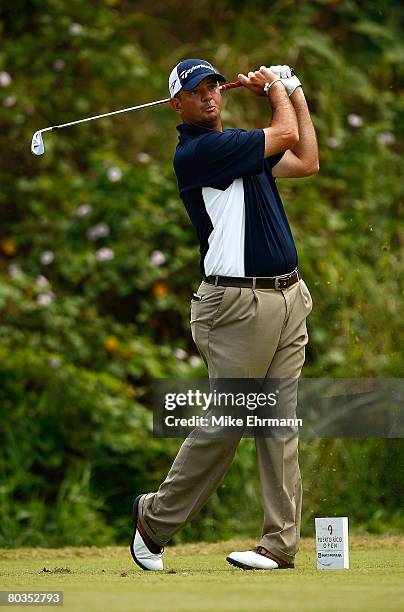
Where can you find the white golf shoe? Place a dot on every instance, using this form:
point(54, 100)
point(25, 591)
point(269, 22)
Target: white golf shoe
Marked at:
point(258, 558)
point(145, 553)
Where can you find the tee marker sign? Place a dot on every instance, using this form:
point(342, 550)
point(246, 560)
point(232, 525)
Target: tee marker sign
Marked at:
point(332, 543)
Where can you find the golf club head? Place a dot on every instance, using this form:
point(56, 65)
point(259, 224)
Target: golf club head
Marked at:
point(37, 145)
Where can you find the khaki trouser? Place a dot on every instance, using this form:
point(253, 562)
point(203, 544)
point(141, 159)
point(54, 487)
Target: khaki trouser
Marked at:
point(240, 333)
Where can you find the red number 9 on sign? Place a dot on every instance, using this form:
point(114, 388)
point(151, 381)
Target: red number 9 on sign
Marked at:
point(329, 528)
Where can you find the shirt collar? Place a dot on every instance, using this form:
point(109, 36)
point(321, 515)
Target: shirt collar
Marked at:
point(188, 129)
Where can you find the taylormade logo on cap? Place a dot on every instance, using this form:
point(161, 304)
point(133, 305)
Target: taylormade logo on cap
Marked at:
point(185, 73)
point(189, 73)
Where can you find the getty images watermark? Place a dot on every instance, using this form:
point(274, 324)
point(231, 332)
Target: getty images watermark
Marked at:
point(308, 407)
point(216, 404)
point(225, 408)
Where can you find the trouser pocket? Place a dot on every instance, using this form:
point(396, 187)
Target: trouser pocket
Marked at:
point(306, 296)
point(205, 303)
point(205, 307)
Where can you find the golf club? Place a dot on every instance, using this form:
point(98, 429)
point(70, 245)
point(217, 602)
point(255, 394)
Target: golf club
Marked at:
point(38, 145)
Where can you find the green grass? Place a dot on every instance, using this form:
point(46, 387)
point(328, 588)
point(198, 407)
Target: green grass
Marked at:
point(198, 578)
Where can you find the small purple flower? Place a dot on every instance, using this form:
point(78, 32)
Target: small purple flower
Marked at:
point(14, 270)
point(355, 120)
point(44, 299)
point(195, 361)
point(59, 65)
point(41, 281)
point(114, 174)
point(104, 254)
point(9, 101)
point(386, 138)
point(5, 79)
point(333, 142)
point(157, 258)
point(84, 210)
point(54, 362)
point(143, 158)
point(75, 29)
point(98, 231)
point(47, 257)
point(180, 354)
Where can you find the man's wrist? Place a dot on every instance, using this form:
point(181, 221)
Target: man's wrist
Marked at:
point(295, 93)
point(291, 84)
point(277, 94)
point(298, 99)
point(268, 85)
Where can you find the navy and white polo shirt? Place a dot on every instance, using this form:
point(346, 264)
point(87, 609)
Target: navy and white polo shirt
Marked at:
point(232, 200)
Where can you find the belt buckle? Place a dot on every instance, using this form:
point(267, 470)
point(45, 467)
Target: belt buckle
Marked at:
point(279, 281)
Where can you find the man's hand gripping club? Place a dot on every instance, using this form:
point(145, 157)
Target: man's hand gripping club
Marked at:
point(282, 134)
point(287, 76)
point(255, 80)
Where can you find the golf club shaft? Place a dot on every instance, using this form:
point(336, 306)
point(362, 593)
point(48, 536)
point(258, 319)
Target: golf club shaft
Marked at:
point(132, 108)
point(123, 110)
point(37, 143)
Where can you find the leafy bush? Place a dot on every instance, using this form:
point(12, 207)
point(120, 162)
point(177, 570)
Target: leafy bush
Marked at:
point(98, 259)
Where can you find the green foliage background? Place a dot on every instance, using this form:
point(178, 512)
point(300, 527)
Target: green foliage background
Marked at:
point(82, 337)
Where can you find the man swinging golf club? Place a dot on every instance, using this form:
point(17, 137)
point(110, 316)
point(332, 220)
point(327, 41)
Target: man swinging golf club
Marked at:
point(248, 318)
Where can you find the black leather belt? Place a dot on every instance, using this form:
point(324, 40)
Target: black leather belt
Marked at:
point(259, 282)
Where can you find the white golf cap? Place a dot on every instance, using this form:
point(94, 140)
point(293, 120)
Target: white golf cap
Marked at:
point(189, 73)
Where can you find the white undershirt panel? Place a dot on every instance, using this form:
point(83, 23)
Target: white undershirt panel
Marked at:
point(226, 209)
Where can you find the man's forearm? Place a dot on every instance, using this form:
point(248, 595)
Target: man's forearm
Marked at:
point(283, 132)
point(283, 115)
point(306, 148)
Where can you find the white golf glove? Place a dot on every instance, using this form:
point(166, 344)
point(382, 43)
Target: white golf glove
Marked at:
point(285, 74)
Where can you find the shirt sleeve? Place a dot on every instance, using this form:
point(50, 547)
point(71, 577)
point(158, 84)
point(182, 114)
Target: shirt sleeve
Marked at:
point(222, 157)
point(273, 159)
